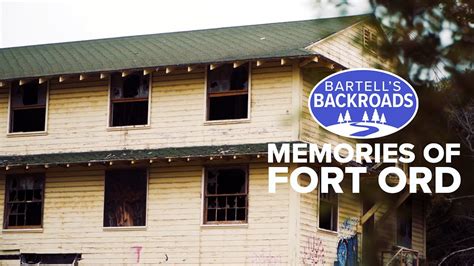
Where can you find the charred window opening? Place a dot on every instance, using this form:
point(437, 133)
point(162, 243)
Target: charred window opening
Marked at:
point(129, 99)
point(28, 107)
point(404, 224)
point(24, 201)
point(42, 259)
point(226, 195)
point(125, 198)
point(227, 91)
point(328, 210)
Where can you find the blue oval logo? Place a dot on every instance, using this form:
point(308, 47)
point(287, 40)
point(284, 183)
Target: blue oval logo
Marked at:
point(363, 103)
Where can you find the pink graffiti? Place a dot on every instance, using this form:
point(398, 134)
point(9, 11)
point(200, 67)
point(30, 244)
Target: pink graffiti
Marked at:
point(313, 252)
point(265, 258)
point(138, 251)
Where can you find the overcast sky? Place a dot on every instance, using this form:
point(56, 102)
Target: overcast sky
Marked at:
point(27, 22)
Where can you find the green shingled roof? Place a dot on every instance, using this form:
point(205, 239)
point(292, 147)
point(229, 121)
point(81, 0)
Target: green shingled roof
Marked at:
point(146, 154)
point(286, 39)
point(122, 155)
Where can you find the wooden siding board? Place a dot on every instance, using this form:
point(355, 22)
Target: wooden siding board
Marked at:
point(77, 119)
point(73, 221)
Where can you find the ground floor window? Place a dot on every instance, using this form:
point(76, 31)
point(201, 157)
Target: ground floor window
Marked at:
point(226, 195)
point(125, 198)
point(48, 259)
point(24, 201)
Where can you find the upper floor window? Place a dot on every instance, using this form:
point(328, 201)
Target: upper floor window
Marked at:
point(225, 195)
point(24, 201)
point(125, 198)
point(227, 92)
point(129, 99)
point(328, 210)
point(28, 107)
point(370, 40)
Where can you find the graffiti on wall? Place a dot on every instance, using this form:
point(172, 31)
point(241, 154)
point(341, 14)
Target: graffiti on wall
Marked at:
point(348, 228)
point(347, 245)
point(138, 252)
point(265, 257)
point(313, 252)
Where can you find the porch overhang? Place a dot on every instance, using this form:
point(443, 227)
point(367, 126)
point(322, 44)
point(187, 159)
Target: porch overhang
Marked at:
point(167, 154)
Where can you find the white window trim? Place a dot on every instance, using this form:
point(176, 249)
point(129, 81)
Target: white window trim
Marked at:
point(23, 230)
point(32, 133)
point(318, 212)
point(228, 121)
point(127, 228)
point(109, 127)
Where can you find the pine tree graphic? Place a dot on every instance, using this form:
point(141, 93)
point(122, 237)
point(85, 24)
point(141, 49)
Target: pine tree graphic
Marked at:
point(340, 120)
point(365, 117)
point(347, 117)
point(375, 116)
point(382, 119)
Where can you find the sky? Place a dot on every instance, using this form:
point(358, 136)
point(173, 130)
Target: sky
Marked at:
point(28, 22)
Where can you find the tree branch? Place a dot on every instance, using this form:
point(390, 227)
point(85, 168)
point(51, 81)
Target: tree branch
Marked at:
point(454, 253)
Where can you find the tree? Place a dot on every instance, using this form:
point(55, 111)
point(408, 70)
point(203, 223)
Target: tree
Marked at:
point(365, 117)
point(347, 117)
point(433, 42)
point(382, 119)
point(340, 119)
point(375, 116)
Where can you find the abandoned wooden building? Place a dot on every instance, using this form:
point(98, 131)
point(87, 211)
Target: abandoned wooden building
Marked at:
point(153, 149)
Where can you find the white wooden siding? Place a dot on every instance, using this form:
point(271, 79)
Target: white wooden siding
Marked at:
point(78, 115)
point(346, 48)
point(73, 218)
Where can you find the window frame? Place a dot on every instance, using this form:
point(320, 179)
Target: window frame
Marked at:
point(5, 226)
point(109, 126)
point(373, 37)
point(319, 213)
point(207, 99)
point(204, 221)
point(10, 113)
point(127, 228)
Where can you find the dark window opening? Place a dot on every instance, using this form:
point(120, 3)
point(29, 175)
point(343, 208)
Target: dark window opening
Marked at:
point(230, 107)
point(41, 259)
point(130, 113)
point(125, 198)
point(30, 94)
point(28, 107)
point(24, 201)
point(28, 120)
point(227, 91)
point(404, 224)
point(226, 195)
point(328, 210)
point(129, 99)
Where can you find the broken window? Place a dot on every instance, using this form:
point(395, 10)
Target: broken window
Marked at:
point(50, 259)
point(24, 201)
point(129, 99)
point(404, 224)
point(226, 195)
point(28, 107)
point(125, 198)
point(227, 92)
point(328, 210)
point(370, 40)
